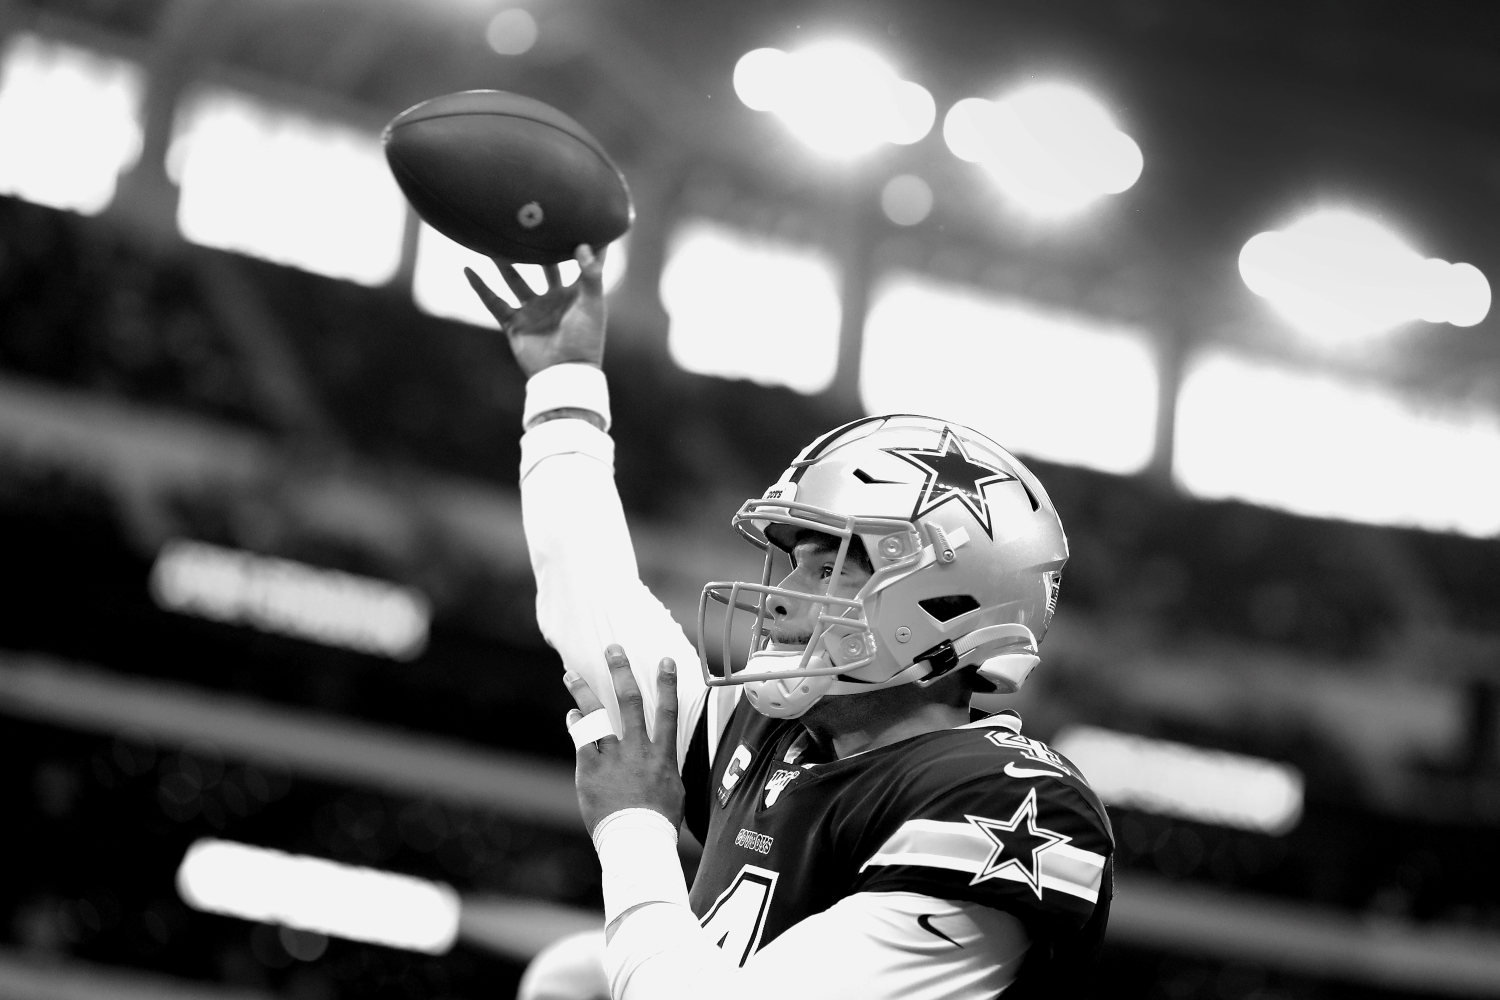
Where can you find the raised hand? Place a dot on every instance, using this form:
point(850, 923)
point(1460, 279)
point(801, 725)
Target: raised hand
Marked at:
point(630, 771)
point(563, 324)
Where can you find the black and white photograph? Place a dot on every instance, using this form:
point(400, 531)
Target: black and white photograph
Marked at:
point(759, 500)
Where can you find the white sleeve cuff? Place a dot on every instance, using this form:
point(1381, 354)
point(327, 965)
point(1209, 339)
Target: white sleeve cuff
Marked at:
point(565, 437)
point(567, 386)
point(638, 859)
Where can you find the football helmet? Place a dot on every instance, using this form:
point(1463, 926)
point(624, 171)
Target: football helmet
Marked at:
point(966, 553)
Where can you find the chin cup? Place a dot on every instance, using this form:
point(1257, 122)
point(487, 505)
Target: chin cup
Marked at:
point(784, 697)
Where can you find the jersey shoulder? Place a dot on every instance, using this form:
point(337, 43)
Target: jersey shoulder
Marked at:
point(983, 813)
point(991, 763)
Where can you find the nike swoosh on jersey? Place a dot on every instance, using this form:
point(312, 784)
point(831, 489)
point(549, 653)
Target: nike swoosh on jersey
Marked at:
point(1016, 771)
point(924, 920)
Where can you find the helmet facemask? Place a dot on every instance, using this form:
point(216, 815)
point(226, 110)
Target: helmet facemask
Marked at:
point(843, 643)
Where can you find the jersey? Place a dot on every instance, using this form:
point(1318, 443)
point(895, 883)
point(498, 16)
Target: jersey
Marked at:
point(976, 814)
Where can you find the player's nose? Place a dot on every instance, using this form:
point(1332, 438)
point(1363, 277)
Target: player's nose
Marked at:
point(786, 608)
point(791, 620)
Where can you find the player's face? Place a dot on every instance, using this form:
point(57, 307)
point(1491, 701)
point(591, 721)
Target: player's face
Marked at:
point(813, 559)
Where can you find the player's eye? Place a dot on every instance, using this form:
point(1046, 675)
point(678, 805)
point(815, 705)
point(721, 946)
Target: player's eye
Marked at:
point(827, 571)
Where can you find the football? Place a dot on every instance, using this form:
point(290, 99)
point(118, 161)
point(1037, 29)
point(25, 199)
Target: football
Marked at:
point(507, 176)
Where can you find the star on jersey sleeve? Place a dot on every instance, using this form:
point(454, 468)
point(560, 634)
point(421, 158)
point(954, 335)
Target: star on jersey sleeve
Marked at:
point(1038, 847)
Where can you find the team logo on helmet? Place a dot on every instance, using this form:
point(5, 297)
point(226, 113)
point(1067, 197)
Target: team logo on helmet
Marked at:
point(952, 475)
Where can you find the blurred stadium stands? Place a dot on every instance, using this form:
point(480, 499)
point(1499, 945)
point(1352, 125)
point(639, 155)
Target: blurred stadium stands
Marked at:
point(153, 390)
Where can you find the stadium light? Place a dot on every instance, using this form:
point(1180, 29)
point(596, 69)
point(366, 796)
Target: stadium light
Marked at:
point(440, 288)
point(906, 199)
point(277, 184)
point(289, 598)
point(1052, 148)
point(312, 894)
point(71, 121)
point(1056, 385)
point(1326, 448)
point(841, 99)
point(1340, 276)
point(740, 306)
point(512, 32)
point(1174, 779)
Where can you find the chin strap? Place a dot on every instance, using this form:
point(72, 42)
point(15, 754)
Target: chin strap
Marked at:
point(941, 660)
point(927, 668)
point(1006, 655)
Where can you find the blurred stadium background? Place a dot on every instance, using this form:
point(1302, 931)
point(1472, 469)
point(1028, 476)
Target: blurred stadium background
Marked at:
point(1217, 270)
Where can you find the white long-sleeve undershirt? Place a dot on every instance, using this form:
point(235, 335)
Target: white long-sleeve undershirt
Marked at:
point(589, 590)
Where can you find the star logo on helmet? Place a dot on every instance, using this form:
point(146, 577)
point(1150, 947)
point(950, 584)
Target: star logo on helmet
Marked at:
point(1016, 846)
point(952, 475)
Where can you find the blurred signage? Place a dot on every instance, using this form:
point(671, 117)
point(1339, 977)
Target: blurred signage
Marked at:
point(71, 121)
point(1315, 440)
point(278, 184)
point(716, 286)
point(1174, 779)
point(291, 598)
point(313, 894)
point(1078, 390)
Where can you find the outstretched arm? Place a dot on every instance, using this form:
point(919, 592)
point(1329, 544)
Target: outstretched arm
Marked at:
point(589, 592)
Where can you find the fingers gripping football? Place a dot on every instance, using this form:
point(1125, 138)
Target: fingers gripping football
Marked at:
point(561, 325)
point(632, 770)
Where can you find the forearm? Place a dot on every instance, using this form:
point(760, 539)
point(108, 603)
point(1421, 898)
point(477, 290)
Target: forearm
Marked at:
point(652, 938)
point(589, 592)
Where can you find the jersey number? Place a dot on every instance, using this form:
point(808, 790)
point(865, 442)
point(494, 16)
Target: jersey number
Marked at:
point(738, 916)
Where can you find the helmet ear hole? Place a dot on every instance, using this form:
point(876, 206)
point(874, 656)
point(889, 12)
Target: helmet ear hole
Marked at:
point(945, 609)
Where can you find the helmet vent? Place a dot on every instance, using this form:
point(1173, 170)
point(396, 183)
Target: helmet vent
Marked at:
point(868, 479)
point(945, 609)
point(1054, 584)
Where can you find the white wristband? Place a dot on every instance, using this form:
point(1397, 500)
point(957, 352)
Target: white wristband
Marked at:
point(551, 438)
point(638, 856)
point(594, 726)
point(569, 386)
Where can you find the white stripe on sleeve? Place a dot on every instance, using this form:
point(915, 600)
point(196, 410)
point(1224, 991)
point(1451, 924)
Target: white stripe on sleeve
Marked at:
point(962, 847)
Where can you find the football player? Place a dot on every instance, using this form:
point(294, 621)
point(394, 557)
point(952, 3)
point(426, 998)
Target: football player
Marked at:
point(862, 836)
